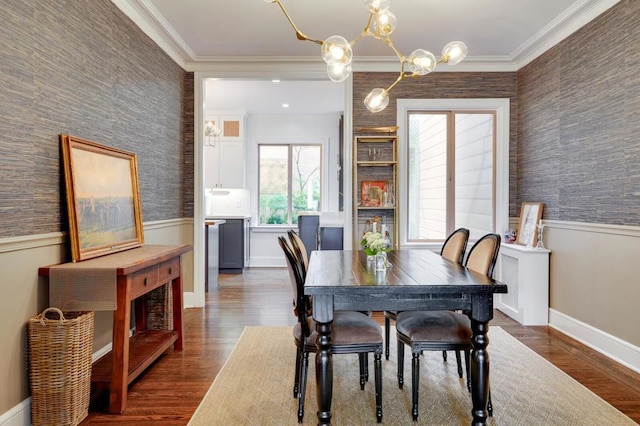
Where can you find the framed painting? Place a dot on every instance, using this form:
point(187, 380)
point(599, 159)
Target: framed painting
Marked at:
point(103, 199)
point(530, 216)
point(372, 192)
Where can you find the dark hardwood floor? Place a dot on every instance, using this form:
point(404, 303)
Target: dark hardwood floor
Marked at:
point(170, 391)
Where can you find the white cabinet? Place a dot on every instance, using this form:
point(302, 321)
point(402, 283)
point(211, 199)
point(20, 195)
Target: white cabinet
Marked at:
point(224, 156)
point(525, 271)
point(224, 165)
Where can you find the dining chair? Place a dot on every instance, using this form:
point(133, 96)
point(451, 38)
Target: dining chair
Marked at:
point(299, 250)
point(452, 249)
point(352, 333)
point(443, 330)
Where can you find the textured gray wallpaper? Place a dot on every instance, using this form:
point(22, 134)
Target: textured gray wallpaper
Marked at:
point(83, 68)
point(579, 123)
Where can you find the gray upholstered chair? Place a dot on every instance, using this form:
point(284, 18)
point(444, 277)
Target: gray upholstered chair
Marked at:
point(443, 330)
point(452, 249)
point(352, 333)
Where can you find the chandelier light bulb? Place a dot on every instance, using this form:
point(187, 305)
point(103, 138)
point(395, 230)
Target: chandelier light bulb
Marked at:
point(454, 52)
point(338, 71)
point(337, 52)
point(375, 6)
point(385, 22)
point(377, 100)
point(336, 49)
point(422, 62)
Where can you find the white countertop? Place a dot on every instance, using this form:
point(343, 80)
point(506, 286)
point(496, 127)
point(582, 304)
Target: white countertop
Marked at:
point(238, 216)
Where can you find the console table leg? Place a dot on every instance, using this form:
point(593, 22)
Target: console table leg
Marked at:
point(176, 289)
point(120, 350)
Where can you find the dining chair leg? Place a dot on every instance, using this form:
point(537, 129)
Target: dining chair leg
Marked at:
point(366, 367)
point(444, 356)
point(296, 379)
point(415, 384)
point(303, 385)
point(377, 361)
point(467, 358)
point(387, 327)
point(400, 364)
point(490, 405)
point(363, 374)
point(459, 362)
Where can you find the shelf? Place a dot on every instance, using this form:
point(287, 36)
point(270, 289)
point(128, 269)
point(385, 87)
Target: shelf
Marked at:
point(377, 163)
point(375, 208)
point(144, 348)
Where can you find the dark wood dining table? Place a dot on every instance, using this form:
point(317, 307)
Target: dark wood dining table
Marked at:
point(417, 280)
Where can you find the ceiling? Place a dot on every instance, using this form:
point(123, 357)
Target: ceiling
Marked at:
point(253, 38)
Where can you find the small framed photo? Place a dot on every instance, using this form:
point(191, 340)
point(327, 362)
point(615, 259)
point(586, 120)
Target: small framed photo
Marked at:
point(103, 199)
point(530, 216)
point(372, 192)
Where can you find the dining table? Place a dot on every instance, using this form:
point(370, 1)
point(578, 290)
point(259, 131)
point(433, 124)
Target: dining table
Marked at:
point(414, 279)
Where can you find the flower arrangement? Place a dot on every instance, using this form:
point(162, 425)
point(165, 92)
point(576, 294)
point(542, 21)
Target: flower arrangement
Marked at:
point(374, 242)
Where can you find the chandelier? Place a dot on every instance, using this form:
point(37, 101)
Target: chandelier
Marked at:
point(211, 130)
point(338, 54)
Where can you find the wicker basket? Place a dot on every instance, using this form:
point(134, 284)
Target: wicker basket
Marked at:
point(60, 348)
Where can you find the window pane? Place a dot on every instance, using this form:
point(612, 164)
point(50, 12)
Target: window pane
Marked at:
point(450, 176)
point(274, 166)
point(427, 176)
point(474, 173)
point(305, 179)
point(289, 182)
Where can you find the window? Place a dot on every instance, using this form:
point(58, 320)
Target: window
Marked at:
point(450, 173)
point(289, 182)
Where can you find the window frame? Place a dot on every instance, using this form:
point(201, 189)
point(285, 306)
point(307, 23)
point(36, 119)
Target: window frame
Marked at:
point(501, 108)
point(290, 210)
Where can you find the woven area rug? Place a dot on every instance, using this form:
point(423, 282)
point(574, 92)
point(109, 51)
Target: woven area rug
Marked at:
point(255, 387)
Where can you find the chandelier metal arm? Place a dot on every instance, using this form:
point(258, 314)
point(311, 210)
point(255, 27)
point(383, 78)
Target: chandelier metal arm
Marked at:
point(299, 34)
point(337, 51)
point(366, 32)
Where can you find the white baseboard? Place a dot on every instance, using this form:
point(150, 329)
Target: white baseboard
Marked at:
point(20, 415)
point(189, 299)
point(598, 340)
point(268, 262)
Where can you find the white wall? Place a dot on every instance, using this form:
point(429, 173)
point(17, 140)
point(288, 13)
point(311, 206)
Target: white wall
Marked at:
point(279, 128)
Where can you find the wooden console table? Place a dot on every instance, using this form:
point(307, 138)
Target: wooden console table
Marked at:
point(132, 273)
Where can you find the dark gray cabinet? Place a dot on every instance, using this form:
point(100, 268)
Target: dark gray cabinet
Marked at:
point(231, 238)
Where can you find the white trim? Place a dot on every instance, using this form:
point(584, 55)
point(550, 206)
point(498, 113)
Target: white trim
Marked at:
point(198, 191)
point(598, 340)
point(18, 415)
point(574, 18)
point(600, 228)
point(153, 24)
point(501, 107)
point(189, 300)
point(27, 242)
point(32, 241)
point(147, 17)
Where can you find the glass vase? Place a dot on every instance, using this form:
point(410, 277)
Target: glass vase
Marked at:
point(381, 261)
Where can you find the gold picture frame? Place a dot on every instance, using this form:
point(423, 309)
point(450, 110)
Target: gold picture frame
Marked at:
point(530, 216)
point(103, 198)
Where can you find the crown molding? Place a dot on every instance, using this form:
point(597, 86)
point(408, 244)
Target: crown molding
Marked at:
point(574, 18)
point(152, 23)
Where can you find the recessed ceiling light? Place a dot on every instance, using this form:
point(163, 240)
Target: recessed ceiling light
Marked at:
point(285, 105)
point(275, 80)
